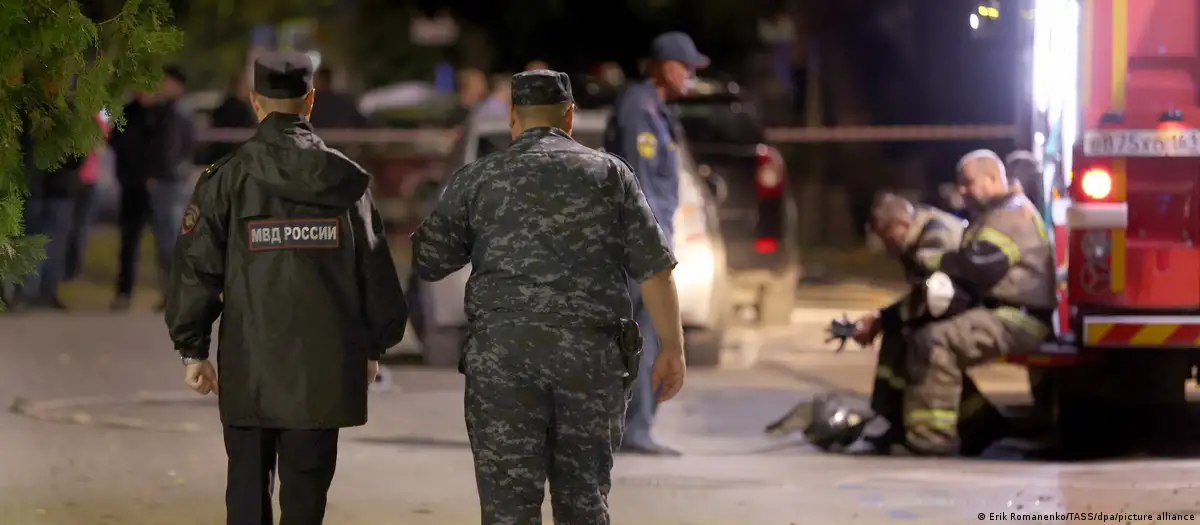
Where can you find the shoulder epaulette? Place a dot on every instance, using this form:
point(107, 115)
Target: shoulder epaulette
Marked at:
point(213, 168)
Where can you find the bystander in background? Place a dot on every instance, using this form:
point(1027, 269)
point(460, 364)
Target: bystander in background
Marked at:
point(334, 109)
point(154, 154)
point(85, 204)
point(48, 212)
point(234, 112)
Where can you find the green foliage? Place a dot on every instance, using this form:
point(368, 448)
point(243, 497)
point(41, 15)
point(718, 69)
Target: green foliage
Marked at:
point(46, 46)
point(218, 34)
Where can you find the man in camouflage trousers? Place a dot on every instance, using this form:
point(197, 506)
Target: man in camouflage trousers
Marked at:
point(551, 228)
point(1006, 262)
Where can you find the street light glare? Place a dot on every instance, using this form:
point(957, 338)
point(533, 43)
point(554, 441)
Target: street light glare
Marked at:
point(974, 21)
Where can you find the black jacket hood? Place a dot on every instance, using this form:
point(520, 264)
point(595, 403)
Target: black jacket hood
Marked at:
point(293, 163)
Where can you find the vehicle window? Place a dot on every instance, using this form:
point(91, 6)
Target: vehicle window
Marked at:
point(489, 144)
point(730, 122)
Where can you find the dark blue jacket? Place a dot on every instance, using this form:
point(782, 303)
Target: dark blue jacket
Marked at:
point(642, 131)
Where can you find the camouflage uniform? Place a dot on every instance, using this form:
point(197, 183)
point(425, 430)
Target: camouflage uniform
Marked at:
point(551, 229)
point(1006, 261)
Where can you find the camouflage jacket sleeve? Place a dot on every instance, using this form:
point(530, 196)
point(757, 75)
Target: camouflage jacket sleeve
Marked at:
point(193, 296)
point(385, 313)
point(442, 243)
point(646, 251)
point(989, 250)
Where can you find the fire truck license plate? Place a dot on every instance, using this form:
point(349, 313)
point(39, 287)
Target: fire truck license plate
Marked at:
point(1142, 143)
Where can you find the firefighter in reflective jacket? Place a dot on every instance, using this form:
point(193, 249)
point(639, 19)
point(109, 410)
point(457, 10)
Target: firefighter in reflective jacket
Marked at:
point(1005, 261)
point(916, 236)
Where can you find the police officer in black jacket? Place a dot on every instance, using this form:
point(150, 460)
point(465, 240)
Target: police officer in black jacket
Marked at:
point(281, 240)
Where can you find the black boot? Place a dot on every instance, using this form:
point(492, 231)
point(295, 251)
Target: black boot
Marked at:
point(980, 433)
point(880, 436)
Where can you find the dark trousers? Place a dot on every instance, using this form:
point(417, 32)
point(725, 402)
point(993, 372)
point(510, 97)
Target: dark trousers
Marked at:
point(305, 460)
point(159, 203)
point(51, 218)
point(77, 238)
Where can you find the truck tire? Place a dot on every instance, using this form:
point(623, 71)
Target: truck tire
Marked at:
point(702, 347)
point(1041, 388)
point(443, 346)
point(1125, 400)
point(1078, 409)
point(776, 301)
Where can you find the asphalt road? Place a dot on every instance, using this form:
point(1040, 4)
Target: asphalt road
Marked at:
point(108, 437)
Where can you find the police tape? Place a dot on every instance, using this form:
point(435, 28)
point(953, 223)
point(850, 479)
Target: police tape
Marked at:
point(891, 133)
point(443, 139)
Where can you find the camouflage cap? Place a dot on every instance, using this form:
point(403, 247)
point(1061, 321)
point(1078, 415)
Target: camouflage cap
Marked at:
point(541, 87)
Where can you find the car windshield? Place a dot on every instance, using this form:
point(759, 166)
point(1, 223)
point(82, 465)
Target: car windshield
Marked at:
point(489, 144)
point(719, 121)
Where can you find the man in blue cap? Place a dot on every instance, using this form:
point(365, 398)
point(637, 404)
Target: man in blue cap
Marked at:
point(643, 131)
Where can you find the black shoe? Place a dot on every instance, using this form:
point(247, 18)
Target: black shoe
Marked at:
point(649, 449)
point(976, 441)
point(120, 303)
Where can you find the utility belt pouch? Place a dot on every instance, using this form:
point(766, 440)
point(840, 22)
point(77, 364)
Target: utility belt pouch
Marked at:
point(629, 341)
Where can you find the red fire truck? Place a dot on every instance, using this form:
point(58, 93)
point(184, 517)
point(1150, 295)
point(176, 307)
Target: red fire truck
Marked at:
point(1117, 122)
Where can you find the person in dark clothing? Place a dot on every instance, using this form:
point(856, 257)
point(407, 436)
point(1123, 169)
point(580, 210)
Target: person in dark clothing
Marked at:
point(48, 212)
point(154, 155)
point(333, 109)
point(50, 215)
point(234, 112)
point(282, 241)
point(84, 206)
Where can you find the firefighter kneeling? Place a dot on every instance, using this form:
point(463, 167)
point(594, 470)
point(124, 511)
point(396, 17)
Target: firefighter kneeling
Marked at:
point(1004, 269)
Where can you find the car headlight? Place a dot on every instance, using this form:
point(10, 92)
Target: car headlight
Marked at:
point(1096, 245)
point(695, 266)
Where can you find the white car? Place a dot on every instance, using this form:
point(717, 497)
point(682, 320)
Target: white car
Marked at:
point(437, 308)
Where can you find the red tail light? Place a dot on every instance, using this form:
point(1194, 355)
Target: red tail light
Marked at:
point(1171, 126)
point(769, 178)
point(1096, 184)
point(766, 245)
